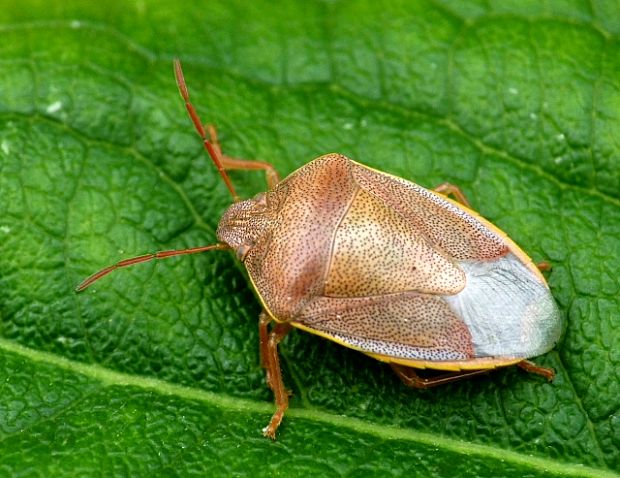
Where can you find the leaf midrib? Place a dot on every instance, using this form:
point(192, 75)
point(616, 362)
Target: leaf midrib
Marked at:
point(199, 222)
point(109, 378)
point(379, 106)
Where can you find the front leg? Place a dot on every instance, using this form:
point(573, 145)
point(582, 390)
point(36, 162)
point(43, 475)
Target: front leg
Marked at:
point(270, 361)
point(271, 175)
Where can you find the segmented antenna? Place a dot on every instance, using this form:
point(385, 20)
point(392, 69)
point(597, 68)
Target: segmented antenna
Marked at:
point(213, 152)
point(215, 155)
point(145, 258)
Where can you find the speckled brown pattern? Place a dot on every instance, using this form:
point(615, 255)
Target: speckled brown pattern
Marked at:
point(408, 325)
point(447, 226)
point(377, 251)
point(369, 260)
point(288, 265)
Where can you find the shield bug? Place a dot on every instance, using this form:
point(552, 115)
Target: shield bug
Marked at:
point(381, 265)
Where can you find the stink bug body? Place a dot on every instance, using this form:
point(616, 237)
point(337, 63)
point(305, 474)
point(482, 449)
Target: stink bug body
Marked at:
point(381, 265)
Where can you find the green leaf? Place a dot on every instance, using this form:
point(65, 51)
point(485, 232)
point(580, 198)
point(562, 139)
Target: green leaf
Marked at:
point(154, 369)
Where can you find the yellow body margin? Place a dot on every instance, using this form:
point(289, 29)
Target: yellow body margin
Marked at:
point(480, 363)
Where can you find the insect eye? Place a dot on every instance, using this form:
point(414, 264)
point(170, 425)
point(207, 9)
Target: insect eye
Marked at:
point(242, 251)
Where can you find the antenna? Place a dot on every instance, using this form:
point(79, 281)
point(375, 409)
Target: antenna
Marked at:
point(145, 258)
point(211, 149)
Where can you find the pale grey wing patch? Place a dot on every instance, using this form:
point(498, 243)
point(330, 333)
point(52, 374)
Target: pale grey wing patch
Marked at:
point(507, 310)
point(406, 326)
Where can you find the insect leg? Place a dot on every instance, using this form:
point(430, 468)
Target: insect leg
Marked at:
point(531, 367)
point(263, 336)
point(271, 362)
point(448, 188)
point(410, 378)
point(271, 175)
point(543, 266)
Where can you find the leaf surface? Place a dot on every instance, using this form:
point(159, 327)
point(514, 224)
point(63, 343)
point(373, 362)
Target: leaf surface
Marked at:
point(154, 370)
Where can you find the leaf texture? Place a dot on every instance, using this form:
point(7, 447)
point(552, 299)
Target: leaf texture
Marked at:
point(155, 370)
